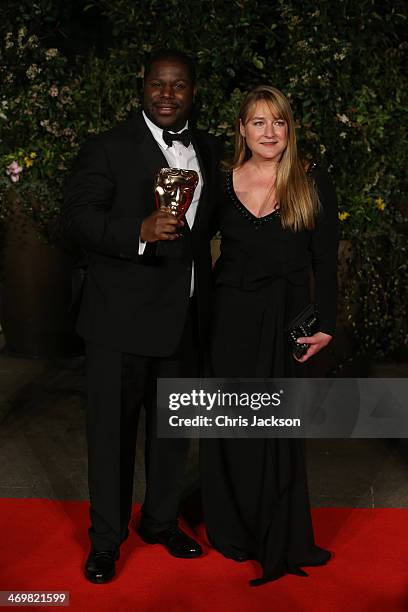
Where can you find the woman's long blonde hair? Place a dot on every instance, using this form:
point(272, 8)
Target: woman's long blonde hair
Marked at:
point(295, 194)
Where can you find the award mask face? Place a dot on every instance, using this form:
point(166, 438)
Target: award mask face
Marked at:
point(174, 190)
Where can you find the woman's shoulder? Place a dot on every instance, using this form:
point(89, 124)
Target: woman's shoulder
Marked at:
point(325, 189)
point(321, 178)
point(315, 169)
point(224, 184)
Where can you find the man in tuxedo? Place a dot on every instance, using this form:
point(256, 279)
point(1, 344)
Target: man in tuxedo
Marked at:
point(145, 304)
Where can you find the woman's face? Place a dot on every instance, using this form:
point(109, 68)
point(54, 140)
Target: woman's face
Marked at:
point(266, 133)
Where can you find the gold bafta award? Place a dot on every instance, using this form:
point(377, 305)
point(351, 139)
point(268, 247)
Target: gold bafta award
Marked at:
point(174, 190)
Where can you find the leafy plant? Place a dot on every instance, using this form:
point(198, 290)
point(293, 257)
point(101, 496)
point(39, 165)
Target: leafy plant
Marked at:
point(48, 107)
point(342, 65)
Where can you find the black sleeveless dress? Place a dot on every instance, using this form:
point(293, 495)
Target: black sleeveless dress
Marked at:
point(255, 494)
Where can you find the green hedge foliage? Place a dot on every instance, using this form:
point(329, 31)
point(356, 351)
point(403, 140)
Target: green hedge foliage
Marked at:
point(343, 66)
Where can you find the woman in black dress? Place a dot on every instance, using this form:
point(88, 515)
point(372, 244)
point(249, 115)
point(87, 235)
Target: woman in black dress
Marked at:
point(278, 221)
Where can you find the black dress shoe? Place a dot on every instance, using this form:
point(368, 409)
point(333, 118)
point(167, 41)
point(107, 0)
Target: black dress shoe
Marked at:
point(178, 543)
point(100, 566)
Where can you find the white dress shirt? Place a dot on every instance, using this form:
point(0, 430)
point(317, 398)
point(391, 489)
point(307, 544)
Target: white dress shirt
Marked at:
point(178, 156)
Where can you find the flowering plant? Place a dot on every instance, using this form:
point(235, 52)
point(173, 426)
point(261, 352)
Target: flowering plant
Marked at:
point(37, 137)
point(369, 215)
point(343, 67)
point(342, 70)
point(48, 108)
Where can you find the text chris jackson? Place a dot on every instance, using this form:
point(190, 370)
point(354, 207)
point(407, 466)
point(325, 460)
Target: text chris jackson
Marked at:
point(226, 421)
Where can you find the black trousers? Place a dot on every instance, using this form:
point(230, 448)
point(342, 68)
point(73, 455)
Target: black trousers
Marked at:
point(118, 385)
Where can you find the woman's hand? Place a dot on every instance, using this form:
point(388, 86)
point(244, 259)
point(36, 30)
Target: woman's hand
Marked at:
point(316, 343)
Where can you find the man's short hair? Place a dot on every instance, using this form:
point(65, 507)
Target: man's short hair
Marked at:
point(171, 54)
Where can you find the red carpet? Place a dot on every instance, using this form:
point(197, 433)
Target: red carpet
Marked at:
point(44, 543)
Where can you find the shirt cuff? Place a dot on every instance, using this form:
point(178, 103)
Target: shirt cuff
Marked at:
point(142, 246)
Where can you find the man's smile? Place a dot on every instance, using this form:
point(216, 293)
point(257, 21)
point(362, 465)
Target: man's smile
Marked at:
point(166, 109)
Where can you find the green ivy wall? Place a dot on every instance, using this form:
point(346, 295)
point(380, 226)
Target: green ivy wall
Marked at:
point(343, 66)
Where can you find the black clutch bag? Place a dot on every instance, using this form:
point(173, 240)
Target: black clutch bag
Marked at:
point(305, 324)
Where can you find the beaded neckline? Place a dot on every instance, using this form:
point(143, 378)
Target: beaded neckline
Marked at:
point(257, 221)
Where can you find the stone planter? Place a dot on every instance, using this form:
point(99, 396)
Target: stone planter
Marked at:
point(36, 314)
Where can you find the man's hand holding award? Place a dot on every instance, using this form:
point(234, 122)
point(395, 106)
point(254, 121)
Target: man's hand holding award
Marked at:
point(174, 190)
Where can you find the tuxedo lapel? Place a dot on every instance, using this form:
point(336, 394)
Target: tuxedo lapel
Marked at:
point(203, 156)
point(149, 154)
point(153, 158)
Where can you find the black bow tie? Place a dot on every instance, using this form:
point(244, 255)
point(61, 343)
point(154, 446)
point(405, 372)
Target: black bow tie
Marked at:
point(184, 137)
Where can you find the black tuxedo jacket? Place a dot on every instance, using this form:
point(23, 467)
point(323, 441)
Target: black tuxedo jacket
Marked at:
point(133, 303)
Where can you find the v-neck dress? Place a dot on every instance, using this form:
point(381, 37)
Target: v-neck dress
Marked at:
point(255, 494)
